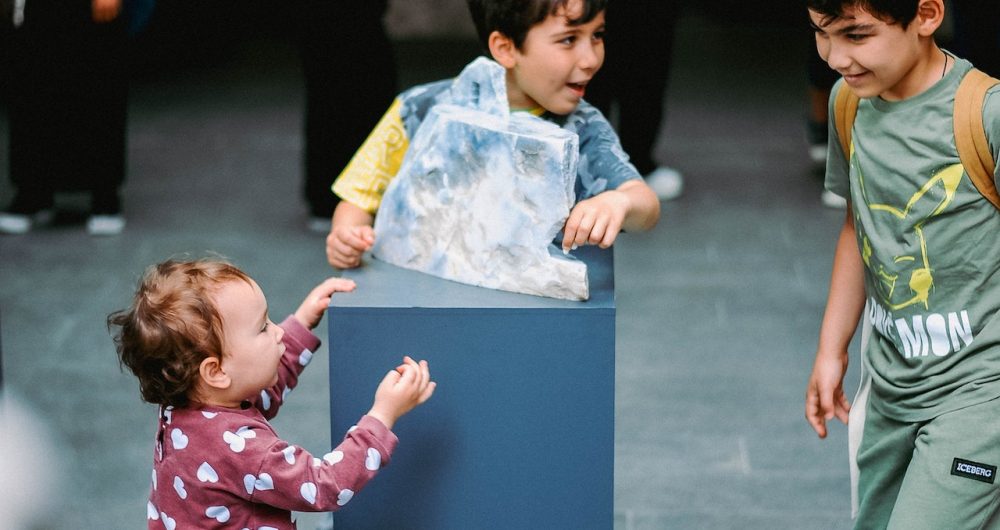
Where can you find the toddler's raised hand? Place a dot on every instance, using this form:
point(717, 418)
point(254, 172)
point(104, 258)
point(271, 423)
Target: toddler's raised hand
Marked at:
point(316, 302)
point(401, 390)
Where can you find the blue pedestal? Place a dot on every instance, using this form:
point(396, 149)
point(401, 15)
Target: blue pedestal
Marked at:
point(520, 431)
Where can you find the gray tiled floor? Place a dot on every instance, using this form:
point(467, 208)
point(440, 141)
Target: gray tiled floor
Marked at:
point(718, 308)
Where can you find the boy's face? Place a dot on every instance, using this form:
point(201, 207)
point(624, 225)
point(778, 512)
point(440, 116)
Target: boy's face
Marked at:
point(875, 57)
point(556, 61)
point(252, 346)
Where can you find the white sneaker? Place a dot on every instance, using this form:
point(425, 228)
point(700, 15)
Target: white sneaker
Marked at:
point(832, 200)
point(105, 225)
point(817, 154)
point(20, 223)
point(666, 182)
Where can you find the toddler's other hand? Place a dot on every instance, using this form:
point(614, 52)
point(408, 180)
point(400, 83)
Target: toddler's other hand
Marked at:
point(401, 390)
point(596, 221)
point(316, 302)
point(346, 244)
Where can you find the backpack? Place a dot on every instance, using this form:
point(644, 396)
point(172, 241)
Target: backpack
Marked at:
point(970, 136)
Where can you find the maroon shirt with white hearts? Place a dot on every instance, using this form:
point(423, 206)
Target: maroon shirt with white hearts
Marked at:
point(216, 467)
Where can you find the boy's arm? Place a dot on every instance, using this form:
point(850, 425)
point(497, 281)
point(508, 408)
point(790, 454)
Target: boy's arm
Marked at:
point(825, 397)
point(360, 187)
point(632, 207)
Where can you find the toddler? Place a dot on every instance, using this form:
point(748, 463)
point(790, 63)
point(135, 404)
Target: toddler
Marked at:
point(200, 341)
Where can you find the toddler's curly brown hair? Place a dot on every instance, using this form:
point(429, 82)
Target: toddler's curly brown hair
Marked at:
point(172, 326)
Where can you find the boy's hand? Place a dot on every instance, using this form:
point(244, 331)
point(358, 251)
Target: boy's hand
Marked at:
point(825, 397)
point(346, 244)
point(401, 390)
point(312, 308)
point(596, 221)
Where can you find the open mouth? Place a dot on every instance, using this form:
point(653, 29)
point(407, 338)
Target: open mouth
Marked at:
point(578, 88)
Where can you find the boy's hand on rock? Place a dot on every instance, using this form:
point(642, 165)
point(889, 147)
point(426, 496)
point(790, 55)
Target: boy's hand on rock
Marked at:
point(596, 221)
point(311, 311)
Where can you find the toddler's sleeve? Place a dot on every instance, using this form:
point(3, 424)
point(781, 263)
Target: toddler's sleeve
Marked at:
point(301, 482)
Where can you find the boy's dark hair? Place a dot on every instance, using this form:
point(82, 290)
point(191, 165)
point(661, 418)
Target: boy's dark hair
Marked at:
point(513, 18)
point(172, 326)
point(891, 11)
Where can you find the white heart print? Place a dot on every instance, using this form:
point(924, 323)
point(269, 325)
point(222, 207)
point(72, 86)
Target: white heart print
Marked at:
point(261, 483)
point(237, 441)
point(344, 497)
point(179, 488)
point(265, 400)
point(154, 480)
point(289, 453)
point(308, 492)
point(333, 457)
point(168, 521)
point(179, 438)
point(209, 415)
point(151, 512)
point(219, 513)
point(206, 473)
point(374, 459)
point(305, 357)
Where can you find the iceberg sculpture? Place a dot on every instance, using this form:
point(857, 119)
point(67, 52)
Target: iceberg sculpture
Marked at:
point(482, 192)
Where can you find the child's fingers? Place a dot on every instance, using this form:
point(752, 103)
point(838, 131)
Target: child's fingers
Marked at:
point(428, 392)
point(366, 234)
point(610, 233)
point(335, 285)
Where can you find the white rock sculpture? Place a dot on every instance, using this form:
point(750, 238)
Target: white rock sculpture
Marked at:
point(481, 194)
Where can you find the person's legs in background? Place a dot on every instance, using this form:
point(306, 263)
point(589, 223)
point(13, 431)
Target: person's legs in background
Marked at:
point(639, 47)
point(821, 79)
point(350, 80)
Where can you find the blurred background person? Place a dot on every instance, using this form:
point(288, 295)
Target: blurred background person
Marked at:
point(67, 97)
point(633, 81)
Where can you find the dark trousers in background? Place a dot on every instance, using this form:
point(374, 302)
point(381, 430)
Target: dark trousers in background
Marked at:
point(67, 98)
point(638, 48)
point(350, 80)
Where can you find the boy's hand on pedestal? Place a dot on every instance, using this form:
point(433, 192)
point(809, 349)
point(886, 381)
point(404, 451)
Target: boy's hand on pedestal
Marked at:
point(346, 244)
point(312, 308)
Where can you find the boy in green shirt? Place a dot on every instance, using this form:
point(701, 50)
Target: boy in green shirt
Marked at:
point(918, 256)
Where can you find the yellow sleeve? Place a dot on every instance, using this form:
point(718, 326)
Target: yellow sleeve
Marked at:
point(377, 161)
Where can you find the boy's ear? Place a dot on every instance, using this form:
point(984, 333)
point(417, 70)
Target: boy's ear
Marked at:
point(212, 373)
point(502, 49)
point(930, 16)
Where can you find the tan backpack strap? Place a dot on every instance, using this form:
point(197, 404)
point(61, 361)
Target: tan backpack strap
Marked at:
point(845, 108)
point(970, 136)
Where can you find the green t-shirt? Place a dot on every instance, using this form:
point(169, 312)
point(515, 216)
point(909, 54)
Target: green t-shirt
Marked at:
point(931, 248)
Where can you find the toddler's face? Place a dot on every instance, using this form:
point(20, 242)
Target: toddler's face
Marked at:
point(252, 346)
point(556, 61)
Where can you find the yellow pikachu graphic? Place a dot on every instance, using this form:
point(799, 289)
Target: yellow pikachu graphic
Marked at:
point(899, 292)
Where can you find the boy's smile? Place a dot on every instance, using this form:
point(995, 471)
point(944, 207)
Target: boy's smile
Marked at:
point(878, 58)
point(556, 61)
